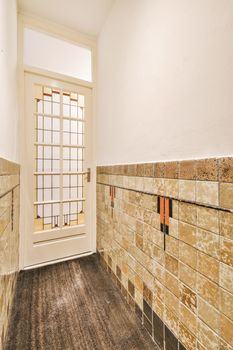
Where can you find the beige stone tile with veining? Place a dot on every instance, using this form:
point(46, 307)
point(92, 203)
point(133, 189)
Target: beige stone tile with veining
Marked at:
point(226, 195)
point(226, 303)
point(208, 219)
point(208, 290)
point(188, 213)
point(208, 243)
point(188, 276)
point(226, 277)
point(188, 255)
point(187, 190)
point(226, 224)
point(208, 314)
point(226, 327)
point(208, 266)
point(207, 192)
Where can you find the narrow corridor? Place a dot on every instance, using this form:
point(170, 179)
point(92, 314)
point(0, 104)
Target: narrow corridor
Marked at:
point(73, 305)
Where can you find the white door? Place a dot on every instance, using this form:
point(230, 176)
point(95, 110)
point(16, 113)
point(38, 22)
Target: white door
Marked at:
point(55, 170)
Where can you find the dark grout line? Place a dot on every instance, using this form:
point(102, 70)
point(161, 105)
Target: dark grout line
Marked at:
point(172, 198)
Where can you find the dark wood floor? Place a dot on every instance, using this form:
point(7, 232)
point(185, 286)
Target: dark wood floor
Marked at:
point(73, 305)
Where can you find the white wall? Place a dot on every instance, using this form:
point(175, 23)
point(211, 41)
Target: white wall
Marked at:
point(47, 52)
point(8, 81)
point(165, 81)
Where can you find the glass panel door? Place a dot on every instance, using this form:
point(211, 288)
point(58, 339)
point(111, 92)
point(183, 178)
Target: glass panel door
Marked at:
point(57, 147)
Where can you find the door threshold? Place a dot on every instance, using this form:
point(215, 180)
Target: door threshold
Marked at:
point(56, 261)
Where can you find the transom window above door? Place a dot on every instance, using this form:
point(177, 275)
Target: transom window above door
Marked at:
point(56, 55)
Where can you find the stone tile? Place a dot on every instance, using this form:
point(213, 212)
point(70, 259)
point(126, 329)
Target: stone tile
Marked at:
point(158, 307)
point(147, 324)
point(149, 169)
point(147, 294)
point(226, 327)
point(158, 254)
point(172, 246)
point(159, 169)
point(208, 290)
point(187, 190)
point(199, 346)
point(158, 291)
point(188, 213)
point(226, 277)
point(147, 310)
point(171, 188)
point(188, 318)
point(171, 264)
point(139, 241)
point(226, 169)
point(226, 224)
point(172, 283)
point(208, 243)
point(139, 169)
point(131, 288)
point(226, 303)
point(187, 338)
point(175, 209)
point(173, 227)
point(188, 233)
point(138, 282)
point(148, 248)
point(188, 297)
point(171, 342)
point(208, 219)
point(207, 337)
point(226, 251)
point(208, 314)
point(158, 328)
point(226, 195)
point(188, 276)
point(172, 321)
point(187, 170)
point(9, 240)
point(171, 170)
point(223, 345)
point(158, 238)
point(158, 271)
point(181, 346)
point(208, 266)
point(207, 192)
point(188, 255)
point(171, 301)
point(158, 187)
point(207, 169)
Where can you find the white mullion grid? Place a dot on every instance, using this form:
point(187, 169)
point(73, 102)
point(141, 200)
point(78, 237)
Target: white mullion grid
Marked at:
point(35, 155)
point(58, 116)
point(43, 155)
point(58, 173)
point(70, 162)
point(57, 144)
point(51, 164)
point(60, 201)
point(61, 161)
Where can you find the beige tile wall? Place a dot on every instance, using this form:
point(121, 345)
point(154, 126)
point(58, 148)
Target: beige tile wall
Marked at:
point(9, 239)
point(190, 282)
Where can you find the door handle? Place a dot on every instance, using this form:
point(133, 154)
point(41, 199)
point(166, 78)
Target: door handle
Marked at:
point(88, 173)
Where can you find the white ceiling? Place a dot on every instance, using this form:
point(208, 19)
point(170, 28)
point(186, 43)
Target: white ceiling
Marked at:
point(86, 16)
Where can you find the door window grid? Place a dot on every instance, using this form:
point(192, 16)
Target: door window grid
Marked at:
point(59, 136)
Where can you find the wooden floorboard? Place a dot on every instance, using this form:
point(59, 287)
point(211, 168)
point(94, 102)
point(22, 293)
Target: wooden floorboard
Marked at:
point(73, 305)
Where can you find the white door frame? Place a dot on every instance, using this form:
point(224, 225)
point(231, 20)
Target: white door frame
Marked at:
point(64, 33)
